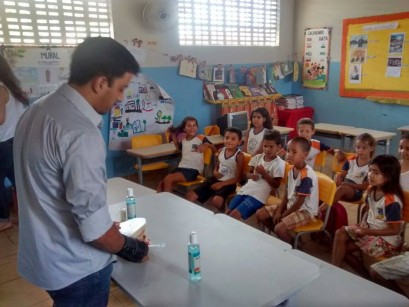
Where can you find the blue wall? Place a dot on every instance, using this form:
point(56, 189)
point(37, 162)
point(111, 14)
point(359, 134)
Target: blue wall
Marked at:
point(187, 93)
point(330, 107)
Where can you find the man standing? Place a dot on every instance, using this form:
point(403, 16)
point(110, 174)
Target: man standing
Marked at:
point(67, 237)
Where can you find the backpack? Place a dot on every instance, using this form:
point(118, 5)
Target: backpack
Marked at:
point(337, 218)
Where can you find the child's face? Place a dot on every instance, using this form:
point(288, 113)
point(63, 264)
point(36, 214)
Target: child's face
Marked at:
point(270, 148)
point(295, 154)
point(257, 120)
point(363, 149)
point(404, 149)
point(191, 128)
point(231, 140)
point(305, 131)
point(375, 176)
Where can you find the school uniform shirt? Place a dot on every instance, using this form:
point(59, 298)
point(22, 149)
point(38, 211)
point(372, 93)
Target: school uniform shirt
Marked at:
point(260, 189)
point(355, 173)
point(191, 158)
point(387, 209)
point(404, 180)
point(227, 166)
point(316, 148)
point(306, 184)
point(254, 141)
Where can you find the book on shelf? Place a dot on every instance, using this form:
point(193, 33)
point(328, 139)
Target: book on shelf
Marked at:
point(256, 91)
point(269, 88)
point(225, 91)
point(245, 90)
point(235, 90)
point(211, 91)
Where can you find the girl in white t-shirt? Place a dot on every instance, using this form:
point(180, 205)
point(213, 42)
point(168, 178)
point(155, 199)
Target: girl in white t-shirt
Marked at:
point(379, 233)
point(260, 122)
point(13, 102)
point(404, 161)
point(192, 147)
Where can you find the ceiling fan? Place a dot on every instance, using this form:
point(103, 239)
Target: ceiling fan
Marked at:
point(160, 14)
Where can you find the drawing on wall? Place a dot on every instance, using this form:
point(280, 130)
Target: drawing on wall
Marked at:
point(188, 68)
point(394, 66)
point(145, 108)
point(355, 73)
point(316, 58)
point(218, 73)
point(358, 41)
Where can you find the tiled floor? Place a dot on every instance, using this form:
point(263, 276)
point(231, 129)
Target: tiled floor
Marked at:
point(15, 291)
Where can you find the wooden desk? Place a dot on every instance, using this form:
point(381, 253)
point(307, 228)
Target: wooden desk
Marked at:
point(404, 130)
point(332, 131)
point(337, 287)
point(284, 131)
point(151, 152)
point(238, 267)
point(382, 137)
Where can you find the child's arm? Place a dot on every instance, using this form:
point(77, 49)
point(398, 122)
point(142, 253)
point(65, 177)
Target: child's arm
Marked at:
point(245, 139)
point(392, 229)
point(273, 182)
point(252, 174)
point(216, 173)
point(363, 186)
point(207, 144)
point(239, 174)
point(282, 207)
point(296, 206)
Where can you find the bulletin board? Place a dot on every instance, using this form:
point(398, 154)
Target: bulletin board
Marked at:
point(375, 58)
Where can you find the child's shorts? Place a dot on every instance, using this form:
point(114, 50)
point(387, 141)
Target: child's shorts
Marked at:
point(395, 268)
point(190, 174)
point(297, 219)
point(374, 246)
point(247, 205)
point(204, 191)
point(357, 196)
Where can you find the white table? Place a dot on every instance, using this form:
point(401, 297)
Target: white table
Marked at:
point(404, 130)
point(117, 189)
point(238, 268)
point(332, 131)
point(241, 227)
point(382, 137)
point(337, 287)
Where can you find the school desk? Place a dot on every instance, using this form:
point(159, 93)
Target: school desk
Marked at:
point(332, 131)
point(239, 268)
point(404, 130)
point(284, 131)
point(117, 189)
point(337, 287)
point(383, 138)
point(290, 117)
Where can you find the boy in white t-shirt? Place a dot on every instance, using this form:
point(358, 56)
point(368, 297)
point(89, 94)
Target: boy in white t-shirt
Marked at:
point(266, 171)
point(300, 204)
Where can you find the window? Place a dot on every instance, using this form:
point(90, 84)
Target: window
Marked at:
point(229, 22)
point(60, 22)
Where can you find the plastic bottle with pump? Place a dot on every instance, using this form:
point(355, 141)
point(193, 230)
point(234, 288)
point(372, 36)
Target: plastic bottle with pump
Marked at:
point(193, 250)
point(130, 204)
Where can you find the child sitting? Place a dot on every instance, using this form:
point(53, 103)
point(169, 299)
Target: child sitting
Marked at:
point(260, 123)
point(266, 171)
point(379, 233)
point(300, 203)
point(306, 129)
point(227, 172)
point(192, 146)
point(404, 161)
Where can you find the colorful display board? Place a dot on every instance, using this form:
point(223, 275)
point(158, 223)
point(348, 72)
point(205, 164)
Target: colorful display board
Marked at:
point(375, 60)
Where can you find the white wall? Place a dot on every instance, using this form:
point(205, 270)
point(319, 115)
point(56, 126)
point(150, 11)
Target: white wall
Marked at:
point(128, 24)
point(330, 13)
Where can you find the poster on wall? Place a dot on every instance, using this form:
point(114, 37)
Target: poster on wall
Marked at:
point(316, 58)
point(145, 109)
point(41, 69)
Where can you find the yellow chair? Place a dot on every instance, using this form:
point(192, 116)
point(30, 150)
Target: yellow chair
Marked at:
point(320, 160)
point(207, 160)
point(337, 166)
point(212, 130)
point(276, 200)
point(147, 140)
point(326, 188)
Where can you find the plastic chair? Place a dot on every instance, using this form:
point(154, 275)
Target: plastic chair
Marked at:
point(276, 200)
point(320, 160)
point(212, 130)
point(337, 166)
point(207, 159)
point(147, 140)
point(326, 187)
